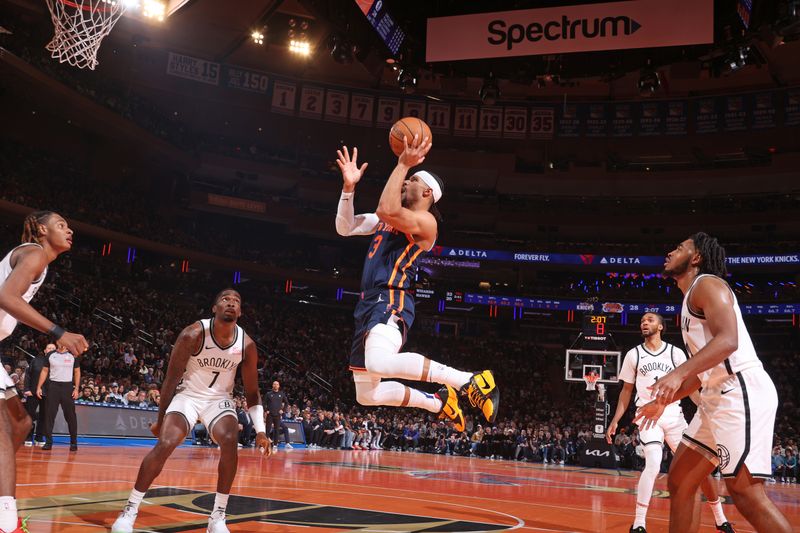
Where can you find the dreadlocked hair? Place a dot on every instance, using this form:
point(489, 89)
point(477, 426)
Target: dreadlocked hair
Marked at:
point(30, 228)
point(712, 253)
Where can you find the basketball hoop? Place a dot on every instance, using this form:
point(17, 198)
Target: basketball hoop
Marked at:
point(591, 380)
point(80, 27)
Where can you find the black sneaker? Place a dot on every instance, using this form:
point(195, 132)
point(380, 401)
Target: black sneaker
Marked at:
point(73, 447)
point(639, 529)
point(47, 446)
point(726, 527)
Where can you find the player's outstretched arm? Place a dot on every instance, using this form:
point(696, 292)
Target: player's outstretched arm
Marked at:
point(28, 265)
point(390, 206)
point(189, 342)
point(255, 409)
point(347, 223)
point(622, 405)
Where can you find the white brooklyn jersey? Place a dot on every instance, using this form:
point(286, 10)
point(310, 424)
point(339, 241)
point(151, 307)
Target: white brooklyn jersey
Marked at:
point(643, 368)
point(8, 322)
point(210, 373)
point(696, 335)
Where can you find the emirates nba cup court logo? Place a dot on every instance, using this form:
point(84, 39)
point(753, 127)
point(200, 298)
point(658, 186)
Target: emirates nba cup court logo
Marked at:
point(559, 30)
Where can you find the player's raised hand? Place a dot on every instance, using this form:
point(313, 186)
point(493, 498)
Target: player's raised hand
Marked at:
point(351, 173)
point(74, 343)
point(611, 431)
point(649, 414)
point(414, 153)
point(263, 444)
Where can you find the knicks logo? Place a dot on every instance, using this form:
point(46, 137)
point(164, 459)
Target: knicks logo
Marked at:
point(724, 456)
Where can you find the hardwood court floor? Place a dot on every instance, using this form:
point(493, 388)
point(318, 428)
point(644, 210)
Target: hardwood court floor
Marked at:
point(325, 490)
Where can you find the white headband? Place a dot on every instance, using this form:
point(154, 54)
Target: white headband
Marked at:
point(431, 182)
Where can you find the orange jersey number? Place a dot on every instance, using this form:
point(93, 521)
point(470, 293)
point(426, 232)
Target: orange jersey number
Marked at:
point(376, 243)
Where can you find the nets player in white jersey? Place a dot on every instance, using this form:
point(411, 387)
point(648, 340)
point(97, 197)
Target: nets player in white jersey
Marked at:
point(738, 400)
point(45, 236)
point(198, 386)
point(644, 365)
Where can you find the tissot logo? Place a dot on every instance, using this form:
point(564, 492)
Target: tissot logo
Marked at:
point(564, 29)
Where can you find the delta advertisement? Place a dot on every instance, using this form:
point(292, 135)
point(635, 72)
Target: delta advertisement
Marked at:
point(617, 261)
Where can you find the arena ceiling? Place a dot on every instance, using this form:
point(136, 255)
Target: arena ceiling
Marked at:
point(221, 31)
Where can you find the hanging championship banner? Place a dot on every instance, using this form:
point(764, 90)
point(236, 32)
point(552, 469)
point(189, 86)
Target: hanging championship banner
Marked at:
point(542, 123)
point(791, 110)
point(597, 122)
point(465, 122)
point(622, 123)
point(569, 120)
point(706, 115)
point(414, 108)
point(361, 109)
point(651, 118)
point(388, 111)
point(567, 29)
point(735, 116)
point(764, 115)
point(283, 97)
point(515, 122)
point(677, 118)
point(439, 117)
point(491, 122)
point(311, 99)
point(336, 106)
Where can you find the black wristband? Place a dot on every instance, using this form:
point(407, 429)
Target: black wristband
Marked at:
point(56, 332)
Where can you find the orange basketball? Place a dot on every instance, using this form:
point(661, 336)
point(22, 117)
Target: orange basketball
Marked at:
point(407, 126)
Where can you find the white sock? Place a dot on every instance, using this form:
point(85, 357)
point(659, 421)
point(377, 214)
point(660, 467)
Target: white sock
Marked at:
point(447, 375)
point(719, 514)
point(647, 479)
point(220, 503)
point(395, 394)
point(8, 513)
point(135, 499)
point(641, 515)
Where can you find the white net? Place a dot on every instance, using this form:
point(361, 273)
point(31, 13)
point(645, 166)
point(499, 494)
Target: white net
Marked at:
point(80, 26)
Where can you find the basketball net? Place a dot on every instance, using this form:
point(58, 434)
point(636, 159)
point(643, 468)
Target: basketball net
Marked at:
point(80, 27)
point(591, 380)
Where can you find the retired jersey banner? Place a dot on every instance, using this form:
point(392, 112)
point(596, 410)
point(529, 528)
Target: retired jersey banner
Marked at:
point(559, 30)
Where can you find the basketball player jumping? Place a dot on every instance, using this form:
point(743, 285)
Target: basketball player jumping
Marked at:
point(738, 400)
point(45, 236)
point(404, 226)
point(644, 365)
point(198, 386)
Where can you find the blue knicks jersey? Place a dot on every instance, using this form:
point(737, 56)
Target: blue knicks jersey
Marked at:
point(391, 265)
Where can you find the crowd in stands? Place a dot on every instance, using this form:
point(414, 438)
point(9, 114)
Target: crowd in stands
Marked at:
point(131, 328)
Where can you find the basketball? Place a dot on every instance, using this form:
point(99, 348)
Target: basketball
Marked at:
point(407, 126)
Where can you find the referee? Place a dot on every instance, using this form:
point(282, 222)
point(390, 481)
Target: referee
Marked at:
point(62, 390)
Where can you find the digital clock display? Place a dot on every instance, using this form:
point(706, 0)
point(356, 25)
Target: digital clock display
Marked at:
point(595, 325)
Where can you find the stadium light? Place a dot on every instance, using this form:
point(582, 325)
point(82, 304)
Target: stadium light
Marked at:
point(154, 9)
point(298, 47)
point(258, 37)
